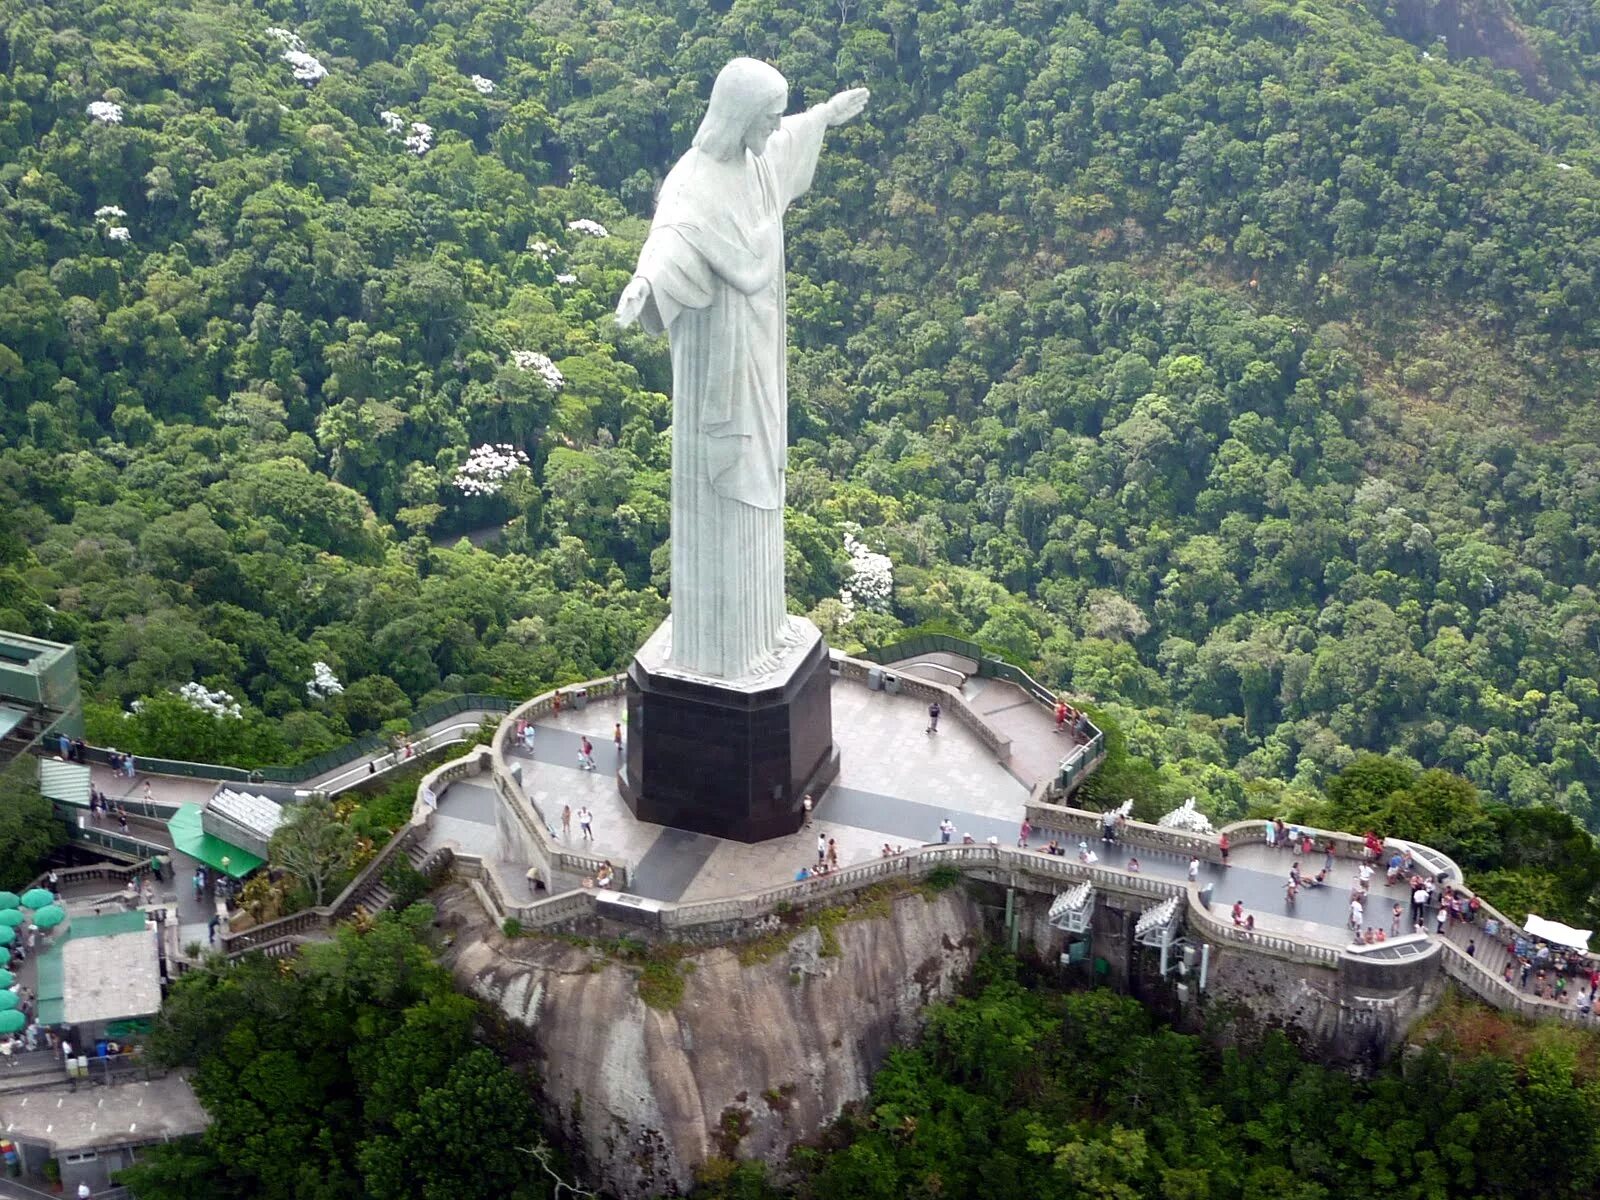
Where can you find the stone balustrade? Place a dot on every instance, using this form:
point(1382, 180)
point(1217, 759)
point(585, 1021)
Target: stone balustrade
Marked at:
point(550, 856)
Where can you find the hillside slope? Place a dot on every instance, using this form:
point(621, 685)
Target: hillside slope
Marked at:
point(1232, 363)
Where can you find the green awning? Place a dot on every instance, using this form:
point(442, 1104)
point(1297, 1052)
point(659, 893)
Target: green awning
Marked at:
point(64, 781)
point(189, 837)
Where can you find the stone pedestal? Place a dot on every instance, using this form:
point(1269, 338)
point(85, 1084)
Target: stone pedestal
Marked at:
point(730, 758)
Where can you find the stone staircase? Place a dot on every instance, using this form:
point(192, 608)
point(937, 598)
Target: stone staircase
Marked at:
point(378, 895)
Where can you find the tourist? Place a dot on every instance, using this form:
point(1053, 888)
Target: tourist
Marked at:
point(122, 818)
point(1441, 918)
point(968, 840)
point(148, 796)
point(1395, 863)
point(1108, 826)
point(604, 876)
point(1364, 873)
point(833, 855)
point(1024, 833)
point(1224, 846)
point(566, 821)
point(1133, 864)
point(822, 848)
point(933, 717)
point(1061, 716)
point(1472, 948)
point(886, 852)
point(1250, 923)
point(1272, 835)
point(802, 874)
point(586, 823)
point(1327, 857)
point(616, 736)
point(1294, 873)
point(211, 926)
point(1086, 855)
point(1281, 833)
point(1394, 923)
point(1357, 913)
point(585, 754)
point(1419, 903)
point(805, 807)
point(1194, 869)
point(1238, 912)
point(1511, 969)
point(947, 830)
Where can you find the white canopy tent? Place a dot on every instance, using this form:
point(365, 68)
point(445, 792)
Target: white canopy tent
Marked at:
point(1555, 931)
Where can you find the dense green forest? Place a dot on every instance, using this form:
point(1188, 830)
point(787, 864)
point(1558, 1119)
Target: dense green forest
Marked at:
point(1233, 364)
point(350, 1070)
point(1039, 1095)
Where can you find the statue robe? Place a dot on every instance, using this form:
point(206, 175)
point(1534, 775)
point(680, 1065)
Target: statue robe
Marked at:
point(715, 264)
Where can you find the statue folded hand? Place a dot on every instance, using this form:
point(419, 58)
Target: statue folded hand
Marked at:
point(632, 302)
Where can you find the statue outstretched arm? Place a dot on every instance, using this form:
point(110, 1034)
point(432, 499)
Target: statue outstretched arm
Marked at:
point(846, 106)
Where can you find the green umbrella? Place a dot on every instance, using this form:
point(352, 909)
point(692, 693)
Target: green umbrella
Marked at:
point(9, 1000)
point(7, 935)
point(37, 898)
point(12, 917)
point(9, 900)
point(49, 916)
point(6, 978)
point(12, 1021)
point(5, 956)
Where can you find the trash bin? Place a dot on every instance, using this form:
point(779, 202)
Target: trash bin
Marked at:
point(891, 683)
point(875, 678)
point(580, 697)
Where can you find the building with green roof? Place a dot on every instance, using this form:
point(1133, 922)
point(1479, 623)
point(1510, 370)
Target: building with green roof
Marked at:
point(38, 693)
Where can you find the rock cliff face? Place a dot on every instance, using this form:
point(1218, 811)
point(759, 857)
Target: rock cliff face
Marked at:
point(753, 1058)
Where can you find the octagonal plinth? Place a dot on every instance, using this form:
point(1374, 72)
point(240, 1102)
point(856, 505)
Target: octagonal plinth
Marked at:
point(730, 758)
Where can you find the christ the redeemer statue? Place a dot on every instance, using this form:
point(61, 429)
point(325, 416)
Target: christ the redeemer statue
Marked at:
point(711, 276)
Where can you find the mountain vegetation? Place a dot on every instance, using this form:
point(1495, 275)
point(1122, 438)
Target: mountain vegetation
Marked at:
point(1232, 364)
point(1035, 1094)
point(351, 1070)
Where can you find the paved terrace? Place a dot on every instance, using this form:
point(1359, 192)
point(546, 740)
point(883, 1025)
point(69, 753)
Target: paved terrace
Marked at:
point(897, 783)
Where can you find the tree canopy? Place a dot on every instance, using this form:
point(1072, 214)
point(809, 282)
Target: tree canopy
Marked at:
point(1231, 365)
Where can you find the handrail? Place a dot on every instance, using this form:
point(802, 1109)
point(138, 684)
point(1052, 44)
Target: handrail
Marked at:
point(312, 768)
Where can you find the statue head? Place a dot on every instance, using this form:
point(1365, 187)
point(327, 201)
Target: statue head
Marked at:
point(747, 101)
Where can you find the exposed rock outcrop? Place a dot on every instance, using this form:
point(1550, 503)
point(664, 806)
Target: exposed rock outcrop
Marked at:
point(752, 1059)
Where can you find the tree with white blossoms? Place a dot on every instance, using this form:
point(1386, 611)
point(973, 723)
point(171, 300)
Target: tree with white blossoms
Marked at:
point(305, 66)
point(592, 228)
point(869, 581)
point(392, 121)
point(323, 682)
point(421, 139)
point(566, 278)
point(540, 364)
point(105, 112)
point(540, 249)
point(488, 468)
point(1187, 818)
point(485, 87)
point(218, 703)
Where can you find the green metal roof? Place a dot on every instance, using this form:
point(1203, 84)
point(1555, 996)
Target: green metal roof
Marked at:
point(189, 837)
point(64, 781)
point(10, 718)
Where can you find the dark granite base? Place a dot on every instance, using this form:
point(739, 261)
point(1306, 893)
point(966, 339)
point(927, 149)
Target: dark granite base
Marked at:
point(729, 762)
